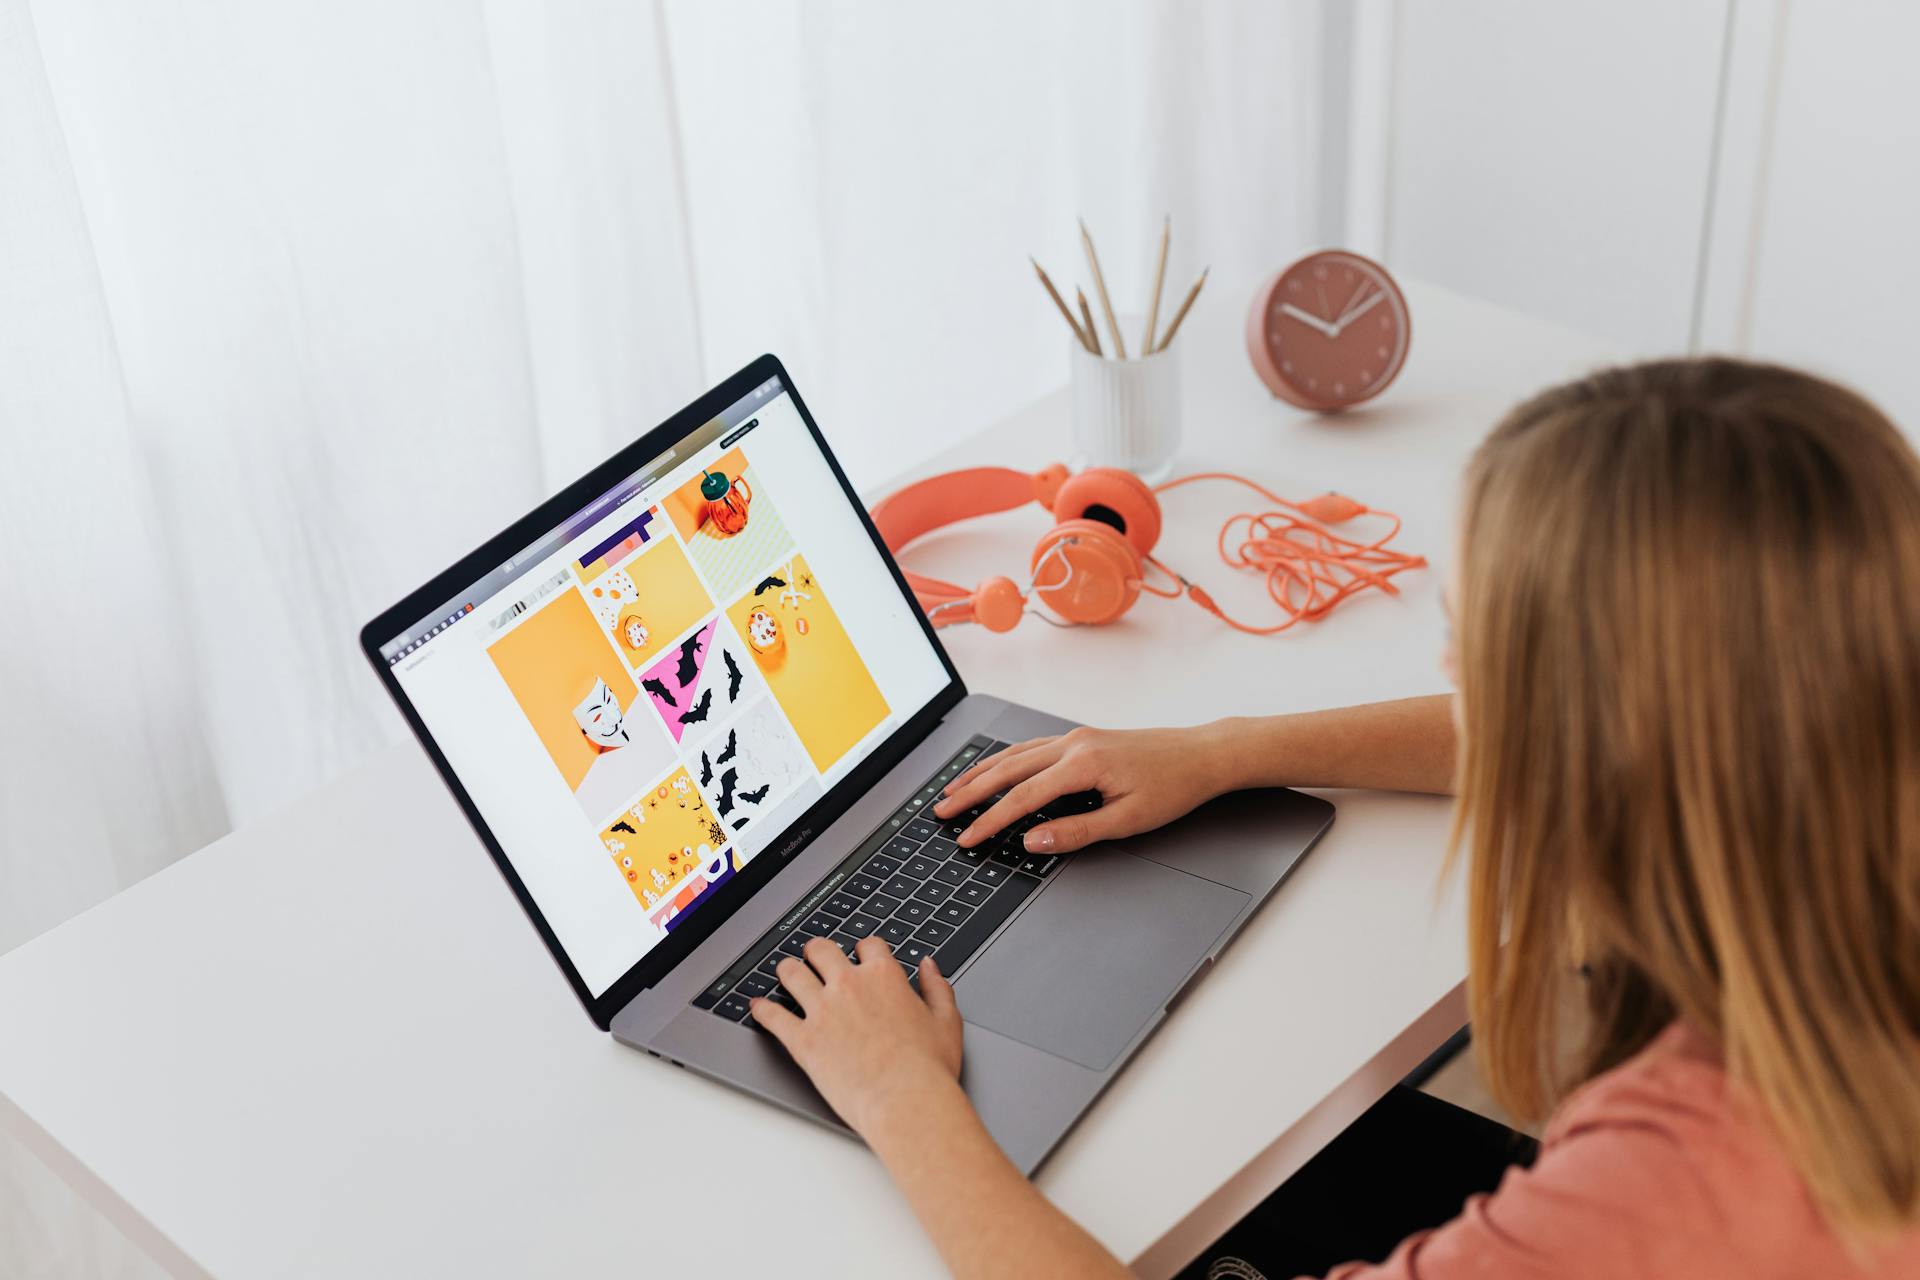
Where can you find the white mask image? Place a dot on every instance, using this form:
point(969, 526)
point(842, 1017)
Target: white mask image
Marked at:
point(601, 719)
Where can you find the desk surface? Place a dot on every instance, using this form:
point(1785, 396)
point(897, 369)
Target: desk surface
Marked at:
point(329, 1044)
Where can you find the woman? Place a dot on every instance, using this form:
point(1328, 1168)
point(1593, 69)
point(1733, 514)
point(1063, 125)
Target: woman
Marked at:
point(1685, 744)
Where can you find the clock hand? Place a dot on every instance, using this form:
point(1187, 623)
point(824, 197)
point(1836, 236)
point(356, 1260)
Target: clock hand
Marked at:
point(1355, 313)
point(1309, 319)
point(1359, 294)
point(1359, 291)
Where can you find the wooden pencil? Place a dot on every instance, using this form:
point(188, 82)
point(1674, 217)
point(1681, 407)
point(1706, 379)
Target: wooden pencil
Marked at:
point(1086, 313)
point(1159, 278)
point(1060, 302)
point(1174, 326)
point(1100, 287)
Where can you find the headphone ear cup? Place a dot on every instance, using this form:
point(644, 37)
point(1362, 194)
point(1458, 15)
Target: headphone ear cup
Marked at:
point(1105, 494)
point(1086, 572)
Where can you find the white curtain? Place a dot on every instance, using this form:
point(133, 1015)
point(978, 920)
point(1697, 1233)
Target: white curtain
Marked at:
point(301, 299)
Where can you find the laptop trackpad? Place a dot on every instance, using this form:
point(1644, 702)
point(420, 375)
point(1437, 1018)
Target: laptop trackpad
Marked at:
point(1099, 952)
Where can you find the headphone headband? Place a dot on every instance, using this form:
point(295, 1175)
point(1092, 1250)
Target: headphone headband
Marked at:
point(946, 499)
point(941, 500)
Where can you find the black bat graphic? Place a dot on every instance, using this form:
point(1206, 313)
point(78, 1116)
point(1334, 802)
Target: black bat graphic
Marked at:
point(658, 688)
point(770, 583)
point(728, 781)
point(758, 794)
point(727, 755)
point(689, 660)
point(733, 677)
point(706, 770)
point(624, 826)
point(739, 823)
point(698, 711)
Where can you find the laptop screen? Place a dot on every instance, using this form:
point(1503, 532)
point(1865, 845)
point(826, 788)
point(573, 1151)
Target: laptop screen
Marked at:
point(652, 692)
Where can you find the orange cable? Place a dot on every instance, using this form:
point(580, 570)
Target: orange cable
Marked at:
point(1309, 568)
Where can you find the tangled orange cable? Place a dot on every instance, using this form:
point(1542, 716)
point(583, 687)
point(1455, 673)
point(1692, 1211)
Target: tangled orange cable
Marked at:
point(1309, 568)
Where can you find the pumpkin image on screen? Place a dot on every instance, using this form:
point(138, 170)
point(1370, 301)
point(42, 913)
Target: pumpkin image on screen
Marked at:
point(632, 631)
point(728, 517)
point(763, 635)
point(727, 502)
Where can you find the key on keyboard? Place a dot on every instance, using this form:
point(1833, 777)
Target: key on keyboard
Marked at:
point(907, 883)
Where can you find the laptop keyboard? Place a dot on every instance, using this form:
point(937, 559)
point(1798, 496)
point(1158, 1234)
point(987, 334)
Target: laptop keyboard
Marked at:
point(910, 884)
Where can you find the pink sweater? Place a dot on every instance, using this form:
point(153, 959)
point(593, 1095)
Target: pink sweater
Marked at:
point(1654, 1169)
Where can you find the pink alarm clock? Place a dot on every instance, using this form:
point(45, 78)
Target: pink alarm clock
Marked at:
point(1329, 331)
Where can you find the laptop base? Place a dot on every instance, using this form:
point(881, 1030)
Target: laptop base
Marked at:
point(1071, 985)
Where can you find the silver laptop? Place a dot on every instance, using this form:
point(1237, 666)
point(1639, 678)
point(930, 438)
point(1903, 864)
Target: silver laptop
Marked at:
point(692, 710)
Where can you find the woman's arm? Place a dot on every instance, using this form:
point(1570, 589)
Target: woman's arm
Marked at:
point(1380, 746)
point(887, 1059)
point(981, 1214)
point(1148, 777)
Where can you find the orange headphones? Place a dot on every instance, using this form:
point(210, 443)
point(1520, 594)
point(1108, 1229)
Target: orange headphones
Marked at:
point(1091, 566)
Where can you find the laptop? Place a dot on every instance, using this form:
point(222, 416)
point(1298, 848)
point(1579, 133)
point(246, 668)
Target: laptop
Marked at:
point(693, 712)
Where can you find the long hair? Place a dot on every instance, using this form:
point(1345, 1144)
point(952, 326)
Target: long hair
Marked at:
point(1689, 781)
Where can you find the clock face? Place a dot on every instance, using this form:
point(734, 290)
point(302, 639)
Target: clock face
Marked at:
point(1329, 331)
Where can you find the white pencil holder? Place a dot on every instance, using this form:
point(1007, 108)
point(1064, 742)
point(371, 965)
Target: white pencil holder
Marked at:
point(1126, 413)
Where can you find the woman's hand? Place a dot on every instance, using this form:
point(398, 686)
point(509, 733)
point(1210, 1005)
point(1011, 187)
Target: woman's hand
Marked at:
point(870, 1043)
point(1145, 777)
point(888, 1060)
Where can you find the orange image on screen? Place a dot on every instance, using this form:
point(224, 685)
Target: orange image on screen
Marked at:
point(667, 841)
point(551, 662)
point(817, 676)
point(734, 538)
point(647, 603)
point(687, 506)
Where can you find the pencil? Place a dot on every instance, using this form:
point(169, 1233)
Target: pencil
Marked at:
point(1159, 278)
point(1087, 314)
point(1100, 287)
point(1060, 303)
point(1181, 314)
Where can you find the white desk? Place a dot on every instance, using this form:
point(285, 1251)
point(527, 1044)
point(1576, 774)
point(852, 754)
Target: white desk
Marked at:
point(330, 1044)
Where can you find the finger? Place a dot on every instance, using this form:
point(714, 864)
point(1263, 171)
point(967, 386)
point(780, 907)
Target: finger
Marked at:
point(873, 950)
point(802, 983)
point(1077, 831)
point(826, 957)
point(783, 1023)
point(1001, 772)
point(937, 991)
point(991, 780)
point(1022, 800)
point(1005, 753)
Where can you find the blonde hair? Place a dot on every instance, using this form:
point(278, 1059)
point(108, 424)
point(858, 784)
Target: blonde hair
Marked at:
point(1689, 652)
